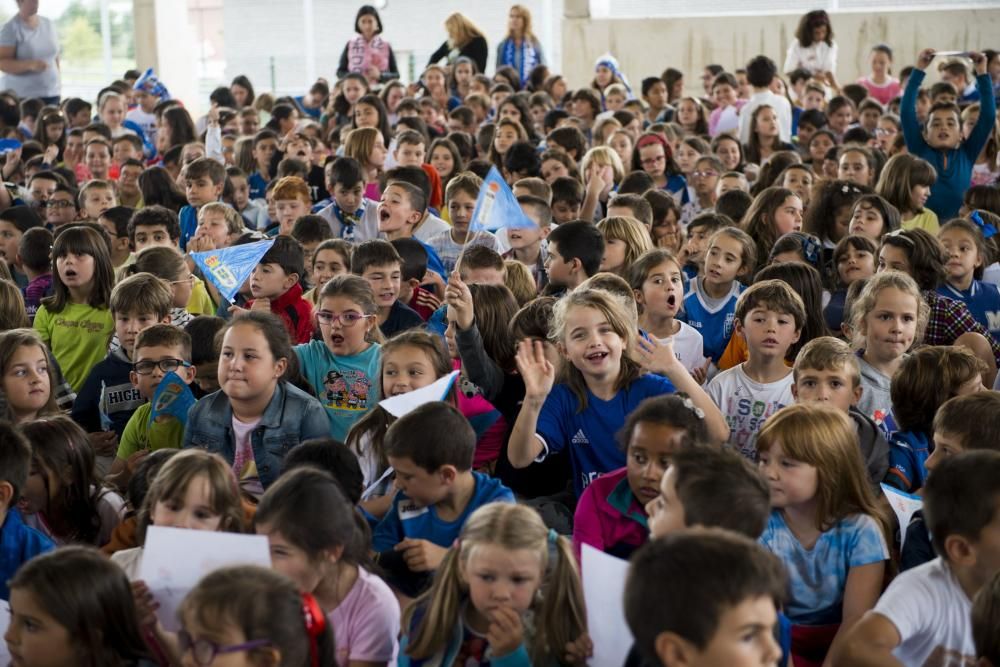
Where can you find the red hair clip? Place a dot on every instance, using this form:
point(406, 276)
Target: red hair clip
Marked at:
point(315, 621)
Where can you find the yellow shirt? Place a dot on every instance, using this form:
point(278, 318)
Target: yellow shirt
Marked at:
point(200, 302)
point(927, 221)
point(78, 337)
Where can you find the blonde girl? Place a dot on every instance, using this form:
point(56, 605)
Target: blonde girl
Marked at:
point(656, 279)
point(326, 555)
point(111, 108)
point(75, 321)
point(508, 132)
point(602, 172)
point(593, 331)
point(343, 367)
point(494, 583)
point(367, 146)
point(464, 39)
point(27, 383)
point(825, 523)
point(625, 239)
point(193, 490)
point(905, 183)
point(887, 318)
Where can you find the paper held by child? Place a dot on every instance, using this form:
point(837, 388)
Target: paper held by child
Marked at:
point(174, 560)
point(904, 505)
point(603, 592)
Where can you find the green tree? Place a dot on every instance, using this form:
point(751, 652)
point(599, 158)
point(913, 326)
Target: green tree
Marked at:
point(80, 41)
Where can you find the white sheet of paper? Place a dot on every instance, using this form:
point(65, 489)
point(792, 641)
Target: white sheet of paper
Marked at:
point(904, 505)
point(174, 560)
point(397, 406)
point(4, 624)
point(947, 54)
point(604, 592)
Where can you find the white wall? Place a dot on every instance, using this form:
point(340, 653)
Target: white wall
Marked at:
point(257, 30)
point(646, 47)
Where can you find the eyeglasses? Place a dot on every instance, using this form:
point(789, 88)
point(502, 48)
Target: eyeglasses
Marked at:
point(653, 160)
point(885, 130)
point(348, 319)
point(166, 365)
point(58, 203)
point(189, 279)
point(204, 651)
point(704, 174)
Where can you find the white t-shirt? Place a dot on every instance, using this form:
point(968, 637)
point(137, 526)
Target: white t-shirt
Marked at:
point(129, 560)
point(931, 612)
point(688, 346)
point(146, 121)
point(746, 404)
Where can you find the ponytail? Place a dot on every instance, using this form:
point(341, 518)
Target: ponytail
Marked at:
point(441, 604)
point(562, 617)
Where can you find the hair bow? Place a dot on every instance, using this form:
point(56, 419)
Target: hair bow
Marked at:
point(315, 622)
point(689, 404)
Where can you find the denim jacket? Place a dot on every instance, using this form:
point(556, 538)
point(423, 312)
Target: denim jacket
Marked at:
point(291, 417)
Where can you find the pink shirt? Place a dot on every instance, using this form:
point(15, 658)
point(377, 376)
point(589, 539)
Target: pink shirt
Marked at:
point(884, 93)
point(366, 623)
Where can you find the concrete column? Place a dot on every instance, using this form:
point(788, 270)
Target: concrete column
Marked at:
point(165, 41)
point(144, 18)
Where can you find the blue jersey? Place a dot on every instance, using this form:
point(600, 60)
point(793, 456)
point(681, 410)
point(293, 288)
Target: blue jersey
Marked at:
point(983, 301)
point(257, 185)
point(188, 218)
point(590, 434)
point(715, 326)
point(406, 519)
point(908, 454)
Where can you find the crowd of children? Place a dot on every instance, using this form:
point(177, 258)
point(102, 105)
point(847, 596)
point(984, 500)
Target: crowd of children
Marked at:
point(727, 328)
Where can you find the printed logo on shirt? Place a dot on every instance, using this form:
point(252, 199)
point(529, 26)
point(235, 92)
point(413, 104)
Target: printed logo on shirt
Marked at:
point(993, 320)
point(409, 509)
point(580, 438)
point(91, 327)
point(347, 391)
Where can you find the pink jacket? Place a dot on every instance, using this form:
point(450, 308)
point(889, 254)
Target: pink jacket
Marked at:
point(609, 517)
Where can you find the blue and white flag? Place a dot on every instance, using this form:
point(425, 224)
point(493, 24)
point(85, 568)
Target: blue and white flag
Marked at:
point(497, 207)
point(228, 268)
point(173, 398)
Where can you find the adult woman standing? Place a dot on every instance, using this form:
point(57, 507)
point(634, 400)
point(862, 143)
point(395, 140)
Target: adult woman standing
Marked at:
point(464, 39)
point(813, 48)
point(367, 53)
point(520, 49)
point(29, 54)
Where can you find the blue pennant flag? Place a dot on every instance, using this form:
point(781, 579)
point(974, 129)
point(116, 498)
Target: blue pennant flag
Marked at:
point(228, 268)
point(497, 208)
point(151, 84)
point(173, 398)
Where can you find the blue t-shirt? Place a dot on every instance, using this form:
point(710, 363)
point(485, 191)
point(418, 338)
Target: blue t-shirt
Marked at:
point(348, 387)
point(408, 519)
point(590, 434)
point(818, 576)
point(714, 324)
point(257, 185)
point(189, 224)
point(983, 301)
point(908, 454)
point(19, 543)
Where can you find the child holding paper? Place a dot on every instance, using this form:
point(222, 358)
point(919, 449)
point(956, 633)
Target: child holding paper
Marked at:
point(194, 490)
point(159, 349)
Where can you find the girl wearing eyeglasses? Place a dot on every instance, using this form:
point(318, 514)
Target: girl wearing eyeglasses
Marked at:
point(343, 367)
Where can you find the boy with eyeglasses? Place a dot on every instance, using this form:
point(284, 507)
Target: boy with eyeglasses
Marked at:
point(109, 397)
point(159, 350)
